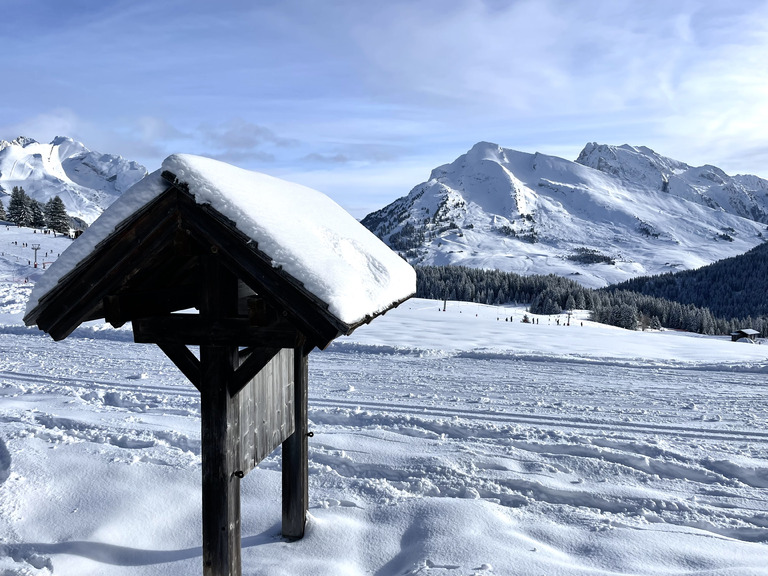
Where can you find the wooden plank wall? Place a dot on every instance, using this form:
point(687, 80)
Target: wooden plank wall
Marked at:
point(266, 415)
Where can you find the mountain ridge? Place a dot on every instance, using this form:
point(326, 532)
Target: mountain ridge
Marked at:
point(87, 181)
point(616, 213)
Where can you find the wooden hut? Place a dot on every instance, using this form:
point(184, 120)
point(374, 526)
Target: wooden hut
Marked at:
point(254, 271)
point(744, 333)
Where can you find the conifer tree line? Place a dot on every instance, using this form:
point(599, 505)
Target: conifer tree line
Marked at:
point(553, 294)
point(26, 211)
point(730, 287)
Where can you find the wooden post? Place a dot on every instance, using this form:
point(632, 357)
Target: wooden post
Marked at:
point(219, 433)
point(221, 488)
point(296, 454)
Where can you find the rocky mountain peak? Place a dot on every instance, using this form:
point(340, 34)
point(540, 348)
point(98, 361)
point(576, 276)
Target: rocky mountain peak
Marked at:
point(615, 213)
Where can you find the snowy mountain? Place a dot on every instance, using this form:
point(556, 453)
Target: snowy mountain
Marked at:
point(86, 181)
point(447, 438)
point(742, 195)
point(615, 213)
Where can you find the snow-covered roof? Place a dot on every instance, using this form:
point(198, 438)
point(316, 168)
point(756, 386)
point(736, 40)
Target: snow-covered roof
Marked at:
point(305, 233)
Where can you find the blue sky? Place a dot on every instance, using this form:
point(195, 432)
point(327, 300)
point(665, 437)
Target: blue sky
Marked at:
point(362, 99)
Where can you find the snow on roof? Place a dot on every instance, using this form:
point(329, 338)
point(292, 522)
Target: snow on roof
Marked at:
point(747, 331)
point(306, 233)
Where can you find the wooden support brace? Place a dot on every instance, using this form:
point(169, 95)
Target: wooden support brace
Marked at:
point(195, 330)
point(119, 309)
point(252, 365)
point(184, 361)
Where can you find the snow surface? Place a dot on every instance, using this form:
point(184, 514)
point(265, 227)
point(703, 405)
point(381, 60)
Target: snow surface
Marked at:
point(304, 232)
point(445, 443)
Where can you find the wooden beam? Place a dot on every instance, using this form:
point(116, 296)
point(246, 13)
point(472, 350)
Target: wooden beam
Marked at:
point(120, 308)
point(252, 365)
point(296, 454)
point(195, 330)
point(79, 295)
point(185, 361)
point(221, 487)
point(219, 429)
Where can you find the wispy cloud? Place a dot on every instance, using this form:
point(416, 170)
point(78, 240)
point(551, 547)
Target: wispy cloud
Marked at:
point(535, 57)
point(350, 88)
point(154, 129)
point(315, 157)
point(239, 134)
point(45, 125)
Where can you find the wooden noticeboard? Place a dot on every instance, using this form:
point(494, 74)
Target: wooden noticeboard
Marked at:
point(265, 413)
point(254, 328)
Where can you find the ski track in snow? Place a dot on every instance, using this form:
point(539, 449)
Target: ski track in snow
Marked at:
point(621, 447)
point(620, 441)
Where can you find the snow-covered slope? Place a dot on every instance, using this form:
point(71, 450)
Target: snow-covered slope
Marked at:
point(742, 195)
point(448, 439)
point(86, 181)
point(615, 213)
point(444, 443)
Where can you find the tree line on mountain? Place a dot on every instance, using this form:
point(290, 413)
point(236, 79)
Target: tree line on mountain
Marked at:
point(553, 294)
point(25, 211)
point(730, 287)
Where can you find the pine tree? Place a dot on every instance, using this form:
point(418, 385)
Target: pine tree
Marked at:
point(37, 218)
point(2, 211)
point(56, 215)
point(18, 208)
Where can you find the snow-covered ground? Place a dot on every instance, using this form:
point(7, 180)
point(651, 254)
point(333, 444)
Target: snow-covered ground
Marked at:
point(445, 443)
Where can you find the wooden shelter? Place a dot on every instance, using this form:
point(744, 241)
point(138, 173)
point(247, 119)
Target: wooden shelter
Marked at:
point(255, 327)
point(748, 333)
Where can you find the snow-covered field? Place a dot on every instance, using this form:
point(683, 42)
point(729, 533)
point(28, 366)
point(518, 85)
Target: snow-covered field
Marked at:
point(445, 443)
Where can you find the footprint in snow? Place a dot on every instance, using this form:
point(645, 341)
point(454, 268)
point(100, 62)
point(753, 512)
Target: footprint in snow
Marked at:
point(23, 556)
point(426, 565)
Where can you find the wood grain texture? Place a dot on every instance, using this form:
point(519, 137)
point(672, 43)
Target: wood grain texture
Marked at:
point(296, 455)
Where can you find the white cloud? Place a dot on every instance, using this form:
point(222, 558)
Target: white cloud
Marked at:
point(152, 129)
point(388, 85)
point(539, 58)
point(720, 110)
point(362, 188)
point(45, 126)
point(242, 135)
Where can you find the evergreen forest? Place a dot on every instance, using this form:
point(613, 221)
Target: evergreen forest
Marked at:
point(553, 294)
point(732, 287)
point(25, 211)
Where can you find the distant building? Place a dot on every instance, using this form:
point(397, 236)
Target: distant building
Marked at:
point(744, 333)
